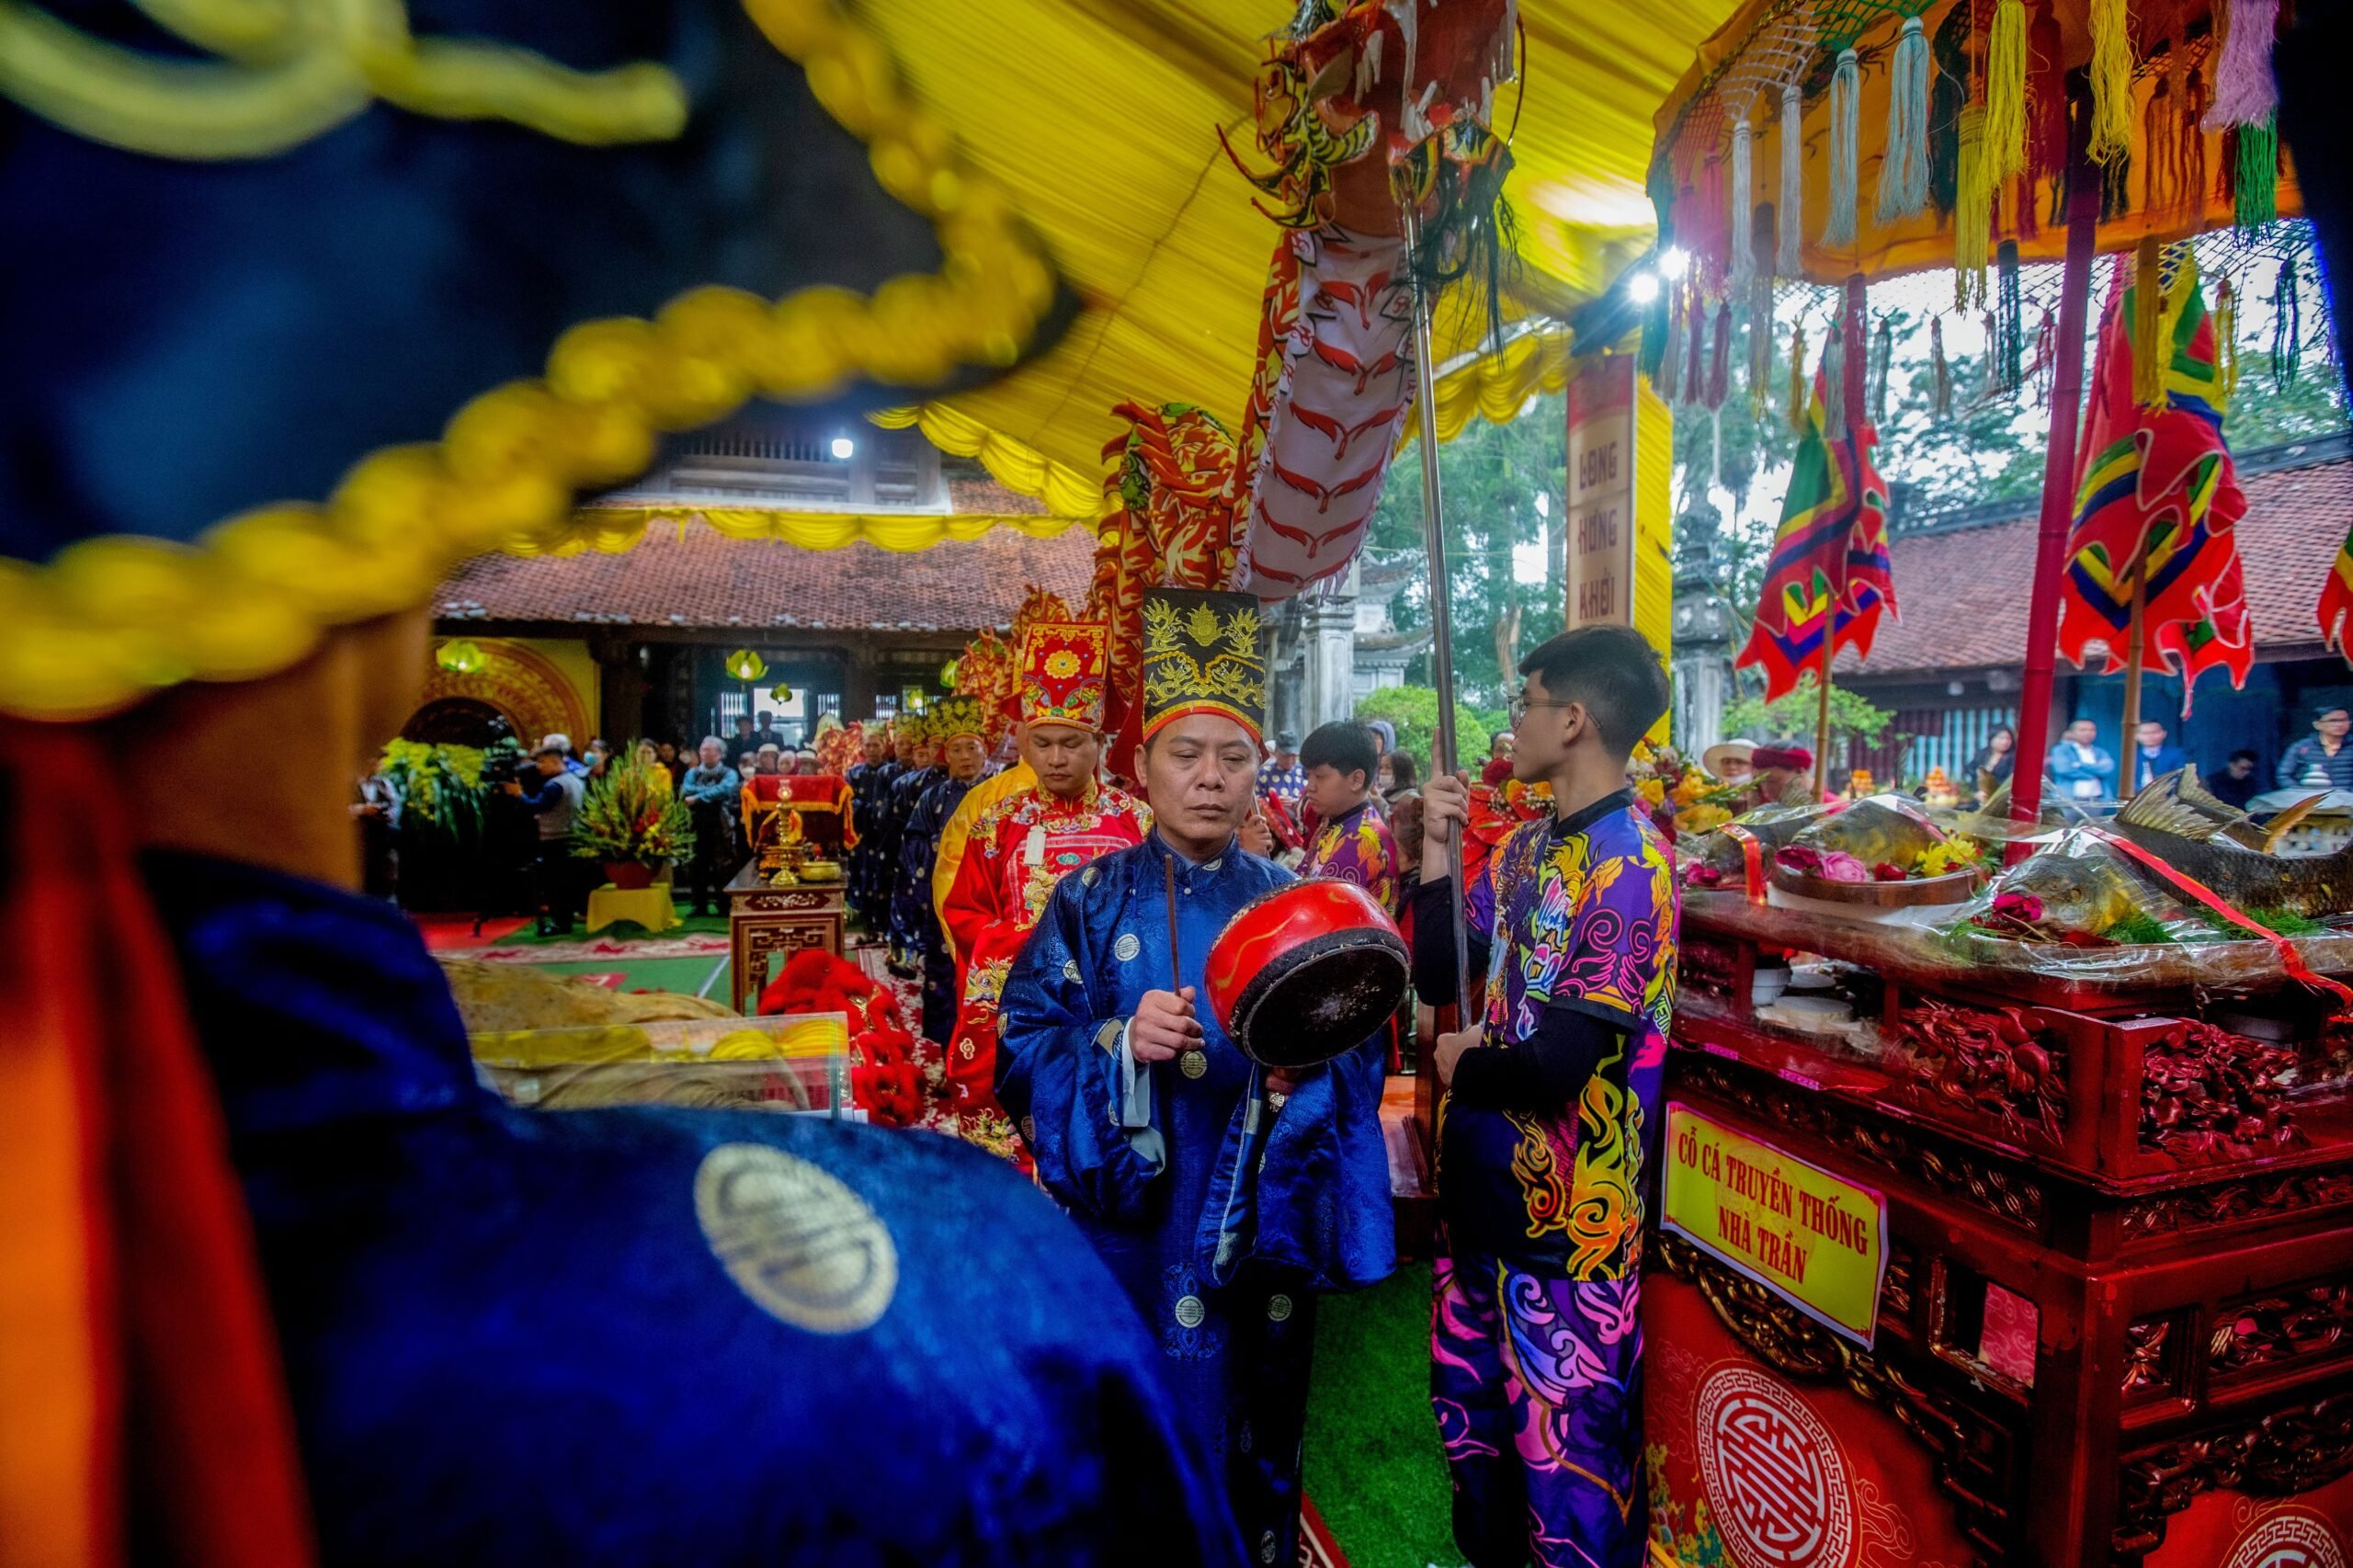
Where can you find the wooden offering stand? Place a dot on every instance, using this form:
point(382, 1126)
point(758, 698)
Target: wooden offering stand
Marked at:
point(2113, 1322)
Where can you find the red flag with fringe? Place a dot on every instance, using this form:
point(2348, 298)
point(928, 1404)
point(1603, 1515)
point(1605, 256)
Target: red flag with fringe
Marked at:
point(2158, 487)
point(1829, 575)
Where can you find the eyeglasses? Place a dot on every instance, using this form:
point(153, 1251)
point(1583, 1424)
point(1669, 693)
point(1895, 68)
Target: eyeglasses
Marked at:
point(1521, 705)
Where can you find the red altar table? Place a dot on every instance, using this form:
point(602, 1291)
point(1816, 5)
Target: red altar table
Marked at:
point(2091, 1333)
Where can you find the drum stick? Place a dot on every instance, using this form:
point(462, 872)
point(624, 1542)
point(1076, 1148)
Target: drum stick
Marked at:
point(1176, 968)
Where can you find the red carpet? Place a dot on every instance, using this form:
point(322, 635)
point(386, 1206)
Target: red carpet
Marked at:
point(1316, 1547)
point(445, 933)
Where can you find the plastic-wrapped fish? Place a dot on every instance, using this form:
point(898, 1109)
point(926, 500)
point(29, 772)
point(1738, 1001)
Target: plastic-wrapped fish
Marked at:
point(2178, 822)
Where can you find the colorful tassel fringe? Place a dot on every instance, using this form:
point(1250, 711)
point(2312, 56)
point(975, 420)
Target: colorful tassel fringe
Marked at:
point(1939, 370)
point(1972, 221)
point(1797, 406)
point(1789, 261)
point(1834, 384)
point(2148, 311)
point(1846, 151)
point(1740, 220)
point(2005, 92)
point(2009, 315)
point(1904, 170)
point(2111, 81)
point(1719, 358)
point(2226, 339)
point(1882, 367)
point(2254, 185)
point(2245, 93)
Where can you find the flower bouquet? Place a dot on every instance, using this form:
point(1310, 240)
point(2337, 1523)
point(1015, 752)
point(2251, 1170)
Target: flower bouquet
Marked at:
point(630, 824)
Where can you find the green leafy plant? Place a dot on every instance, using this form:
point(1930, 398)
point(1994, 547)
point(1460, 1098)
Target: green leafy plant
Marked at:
point(627, 816)
point(443, 787)
point(1794, 714)
point(1413, 709)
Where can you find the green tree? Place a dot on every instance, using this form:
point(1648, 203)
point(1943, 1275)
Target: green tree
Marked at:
point(1794, 714)
point(1490, 477)
point(1413, 710)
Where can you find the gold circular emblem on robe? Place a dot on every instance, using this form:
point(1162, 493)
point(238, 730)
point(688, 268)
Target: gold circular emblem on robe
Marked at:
point(798, 1240)
point(1277, 1309)
point(1193, 1063)
point(1189, 1312)
point(1127, 946)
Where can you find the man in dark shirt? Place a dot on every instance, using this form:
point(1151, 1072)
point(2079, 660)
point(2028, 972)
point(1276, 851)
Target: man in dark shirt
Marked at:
point(2234, 782)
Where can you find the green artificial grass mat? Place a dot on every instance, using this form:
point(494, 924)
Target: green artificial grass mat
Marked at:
point(1373, 1466)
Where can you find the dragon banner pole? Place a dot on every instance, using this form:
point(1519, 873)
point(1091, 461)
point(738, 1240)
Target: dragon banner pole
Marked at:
point(1441, 628)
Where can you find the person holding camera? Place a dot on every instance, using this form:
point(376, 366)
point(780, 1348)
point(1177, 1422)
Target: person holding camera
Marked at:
point(556, 797)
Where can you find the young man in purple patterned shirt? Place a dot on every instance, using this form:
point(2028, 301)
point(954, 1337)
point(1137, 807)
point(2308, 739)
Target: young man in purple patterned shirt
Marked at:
point(1551, 1106)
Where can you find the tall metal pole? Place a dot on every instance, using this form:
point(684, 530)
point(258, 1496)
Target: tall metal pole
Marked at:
point(1441, 619)
point(2058, 480)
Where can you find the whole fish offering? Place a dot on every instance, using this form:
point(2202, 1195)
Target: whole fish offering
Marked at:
point(2203, 838)
point(1717, 858)
point(1878, 830)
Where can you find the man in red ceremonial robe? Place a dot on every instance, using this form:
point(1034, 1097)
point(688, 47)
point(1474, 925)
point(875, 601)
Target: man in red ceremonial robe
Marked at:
point(1025, 844)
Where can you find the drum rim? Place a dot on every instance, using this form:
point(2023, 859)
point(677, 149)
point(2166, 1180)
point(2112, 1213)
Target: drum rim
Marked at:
point(1256, 990)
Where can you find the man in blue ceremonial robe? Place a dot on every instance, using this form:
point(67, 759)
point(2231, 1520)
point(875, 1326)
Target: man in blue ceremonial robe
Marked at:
point(962, 727)
point(922, 771)
point(1223, 1196)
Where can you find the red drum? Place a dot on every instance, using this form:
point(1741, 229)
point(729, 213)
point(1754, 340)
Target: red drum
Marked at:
point(1307, 972)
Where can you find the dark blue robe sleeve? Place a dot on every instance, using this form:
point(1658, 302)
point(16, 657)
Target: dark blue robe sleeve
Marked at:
point(1058, 1066)
point(1303, 1193)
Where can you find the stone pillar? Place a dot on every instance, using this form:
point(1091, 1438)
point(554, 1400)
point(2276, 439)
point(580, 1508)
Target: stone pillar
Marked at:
point(1701, 662)
point(1329, 632)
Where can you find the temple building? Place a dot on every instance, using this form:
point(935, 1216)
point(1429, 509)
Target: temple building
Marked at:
point(703, 563)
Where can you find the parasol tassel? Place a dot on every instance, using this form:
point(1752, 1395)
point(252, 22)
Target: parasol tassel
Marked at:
point(1940, 370)
point(1882, 367)
point(2245, 92)
point(2047, 110)
point(1719, 358)
point(2111, 81)
point(1903, 171)
point(2046, 345)
point(1972, 223)
point(1797, 377)
point(1989, 379)
point(1846, 150)
point(1695, 373)
point(1760, 346)
point(2255, 187)
point(2005, 91)
point(2226, 339)
point(1788, 262)
point(1833, 380)
point(1744, 263)
point(2148, 315)
point(2287, 326)
point(2010, 312)
point(1670, 366)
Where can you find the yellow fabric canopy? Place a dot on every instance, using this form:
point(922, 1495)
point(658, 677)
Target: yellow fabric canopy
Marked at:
point(1100, 121)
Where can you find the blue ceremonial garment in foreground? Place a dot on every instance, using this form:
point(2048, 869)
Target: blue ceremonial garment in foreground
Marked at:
point(627, 1337)
point(1219, 1222)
